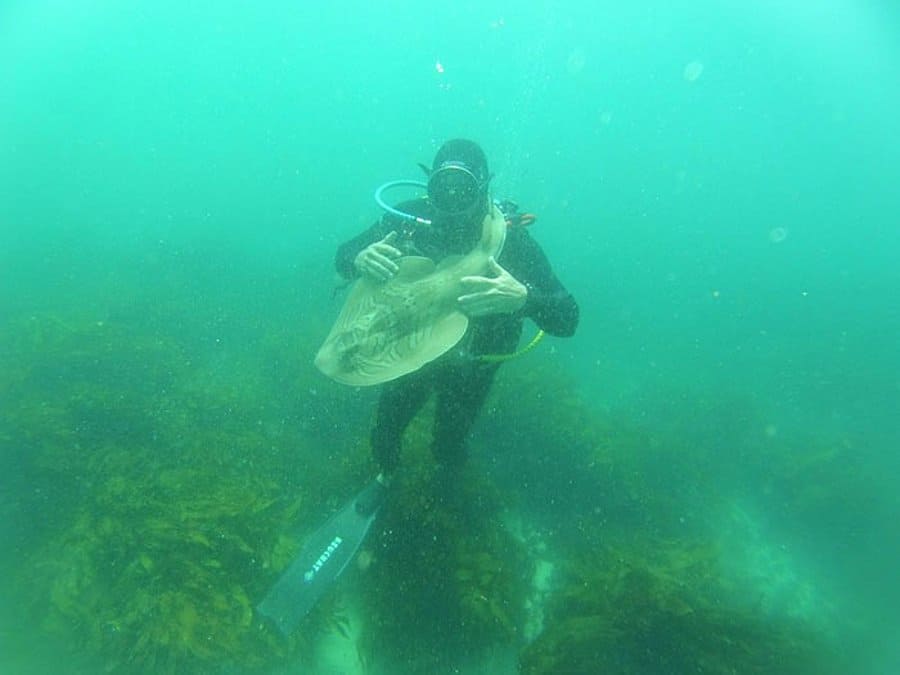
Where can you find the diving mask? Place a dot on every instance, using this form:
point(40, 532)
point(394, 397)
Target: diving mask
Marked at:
point(454, 189)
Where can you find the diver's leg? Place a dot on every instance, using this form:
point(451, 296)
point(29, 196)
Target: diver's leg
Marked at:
point(399, 402)
point(461, 393)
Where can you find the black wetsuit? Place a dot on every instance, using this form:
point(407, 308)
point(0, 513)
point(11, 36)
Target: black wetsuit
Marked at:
point(460, 381)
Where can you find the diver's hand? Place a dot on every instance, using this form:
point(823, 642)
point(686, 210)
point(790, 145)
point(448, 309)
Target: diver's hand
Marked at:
point(376, 261)
point(501, 293)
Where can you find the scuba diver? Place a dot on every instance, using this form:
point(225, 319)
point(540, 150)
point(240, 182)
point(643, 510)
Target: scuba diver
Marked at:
point(519, 284)
point(493, 276)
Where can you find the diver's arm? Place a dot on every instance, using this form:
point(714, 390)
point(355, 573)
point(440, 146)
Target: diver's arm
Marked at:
point(555, 312)
point(498, 293)
point(348, 251)
point(548, 304)
point(348, 262)
point(378, 261)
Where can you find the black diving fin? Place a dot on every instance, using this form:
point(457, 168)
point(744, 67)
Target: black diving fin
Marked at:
point(322, 559)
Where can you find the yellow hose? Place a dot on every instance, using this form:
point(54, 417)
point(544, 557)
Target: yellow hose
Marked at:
point(498, 358)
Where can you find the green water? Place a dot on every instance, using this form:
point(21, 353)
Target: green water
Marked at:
point(714, 181)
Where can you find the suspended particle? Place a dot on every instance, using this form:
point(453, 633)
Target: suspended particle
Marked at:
point(778, 235)
point(692, 71)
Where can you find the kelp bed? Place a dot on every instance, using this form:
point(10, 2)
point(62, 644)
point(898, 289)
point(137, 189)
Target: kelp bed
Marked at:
point(665, 609)
point(178, 478)
point(177, 488)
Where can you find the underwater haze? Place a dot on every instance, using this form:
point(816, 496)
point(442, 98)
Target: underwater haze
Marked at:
point(703, 479)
